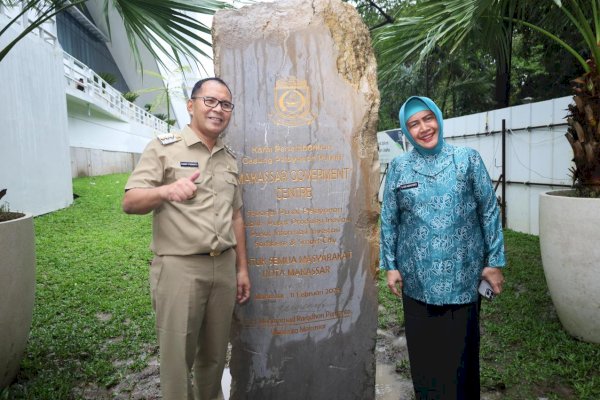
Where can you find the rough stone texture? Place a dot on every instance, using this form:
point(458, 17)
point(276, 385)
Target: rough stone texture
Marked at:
point(303, 78)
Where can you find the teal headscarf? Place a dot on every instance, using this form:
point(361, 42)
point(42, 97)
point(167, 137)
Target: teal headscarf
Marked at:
point(412, 106)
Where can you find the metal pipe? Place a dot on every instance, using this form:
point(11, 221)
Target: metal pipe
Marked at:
point(503, 205)
point(526, 128)
point(525, 183)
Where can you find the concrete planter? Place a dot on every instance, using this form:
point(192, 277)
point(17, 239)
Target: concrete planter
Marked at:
point(570, 246)
point(17, 291)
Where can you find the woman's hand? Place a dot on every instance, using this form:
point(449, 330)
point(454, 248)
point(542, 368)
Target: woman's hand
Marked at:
point(495, 278)
point(394, 282)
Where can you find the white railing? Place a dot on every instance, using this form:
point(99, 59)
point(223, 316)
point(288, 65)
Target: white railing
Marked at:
point(46, 31)
point(80, 77)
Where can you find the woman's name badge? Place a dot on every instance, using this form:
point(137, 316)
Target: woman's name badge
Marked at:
point(409, 186)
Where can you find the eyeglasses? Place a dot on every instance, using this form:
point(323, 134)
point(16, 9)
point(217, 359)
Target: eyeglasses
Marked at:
point(212, 103)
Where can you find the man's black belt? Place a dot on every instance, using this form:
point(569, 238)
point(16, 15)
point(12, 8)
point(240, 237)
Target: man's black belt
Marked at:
point(214, 253)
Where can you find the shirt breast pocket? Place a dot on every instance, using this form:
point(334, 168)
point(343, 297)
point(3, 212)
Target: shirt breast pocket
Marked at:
point(175, 173)
point(181, 172)
point(228, 186)
point(407, 195)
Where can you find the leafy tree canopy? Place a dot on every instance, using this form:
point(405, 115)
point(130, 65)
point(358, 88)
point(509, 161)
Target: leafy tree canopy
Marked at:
point(467, 55)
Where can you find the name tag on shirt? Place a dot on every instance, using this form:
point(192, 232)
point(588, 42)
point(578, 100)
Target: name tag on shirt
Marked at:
point(188, 164)
point(409, 186)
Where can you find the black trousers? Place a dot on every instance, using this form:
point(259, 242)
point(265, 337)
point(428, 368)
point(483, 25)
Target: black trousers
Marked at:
point(443, 349)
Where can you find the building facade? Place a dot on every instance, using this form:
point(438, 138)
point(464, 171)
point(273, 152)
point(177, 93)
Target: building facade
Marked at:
point(61, 118)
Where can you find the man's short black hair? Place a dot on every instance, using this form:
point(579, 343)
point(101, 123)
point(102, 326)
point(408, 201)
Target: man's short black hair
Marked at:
point(201, 82)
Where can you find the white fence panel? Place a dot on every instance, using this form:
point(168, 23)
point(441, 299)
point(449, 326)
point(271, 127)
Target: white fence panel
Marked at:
point(538, 156)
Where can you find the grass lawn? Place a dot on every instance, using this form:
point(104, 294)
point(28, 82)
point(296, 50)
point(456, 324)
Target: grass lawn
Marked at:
point(93, 322)
point(525, 354)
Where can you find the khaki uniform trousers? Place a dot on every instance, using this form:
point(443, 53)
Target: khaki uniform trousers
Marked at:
point(193, 297)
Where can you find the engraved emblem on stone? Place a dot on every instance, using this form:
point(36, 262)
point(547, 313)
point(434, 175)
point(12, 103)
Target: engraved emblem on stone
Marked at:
point(292, 103)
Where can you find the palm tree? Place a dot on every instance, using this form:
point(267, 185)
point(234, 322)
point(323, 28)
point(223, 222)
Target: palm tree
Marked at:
point(165, 93)
point(162, 26)
point(584, 115)
point(449, 24)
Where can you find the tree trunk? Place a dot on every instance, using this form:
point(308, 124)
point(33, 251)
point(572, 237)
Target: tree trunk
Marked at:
point(502, 86)
point(503, 66)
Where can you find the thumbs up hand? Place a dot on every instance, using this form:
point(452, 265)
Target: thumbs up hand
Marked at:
point(181, 190)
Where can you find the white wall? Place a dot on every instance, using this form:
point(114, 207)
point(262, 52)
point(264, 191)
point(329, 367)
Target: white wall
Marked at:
point(100, 142)
point(93, 129)
point(538, 156)
point(34, 149)
point(94, 162)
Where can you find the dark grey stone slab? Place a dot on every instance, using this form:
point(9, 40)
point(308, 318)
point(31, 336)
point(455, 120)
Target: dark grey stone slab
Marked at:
point(303, 78)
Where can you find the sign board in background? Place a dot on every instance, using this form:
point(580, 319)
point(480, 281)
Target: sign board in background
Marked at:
point(391, 143)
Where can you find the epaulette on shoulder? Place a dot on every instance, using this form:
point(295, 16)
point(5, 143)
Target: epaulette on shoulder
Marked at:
point(168, 138)
point(230, 151)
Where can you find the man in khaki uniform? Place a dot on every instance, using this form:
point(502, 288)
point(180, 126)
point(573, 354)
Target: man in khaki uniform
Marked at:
point(189, 180)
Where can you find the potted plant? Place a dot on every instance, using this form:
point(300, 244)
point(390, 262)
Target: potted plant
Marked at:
point(131, 96)
point(570, 220)
point(17, 288)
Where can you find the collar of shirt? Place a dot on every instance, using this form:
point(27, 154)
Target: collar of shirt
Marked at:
point(431, 165)
point(190, 138)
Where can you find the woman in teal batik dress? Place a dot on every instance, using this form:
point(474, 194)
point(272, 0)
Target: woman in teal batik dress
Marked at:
point(440, 235)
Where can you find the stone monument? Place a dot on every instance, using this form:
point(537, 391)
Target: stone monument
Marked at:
point(303, 78)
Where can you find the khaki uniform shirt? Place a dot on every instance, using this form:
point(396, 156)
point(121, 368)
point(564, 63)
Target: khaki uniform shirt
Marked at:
point(204, 223)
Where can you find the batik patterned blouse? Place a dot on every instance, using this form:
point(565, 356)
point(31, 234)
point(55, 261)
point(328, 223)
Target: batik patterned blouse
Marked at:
point(440, 224)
